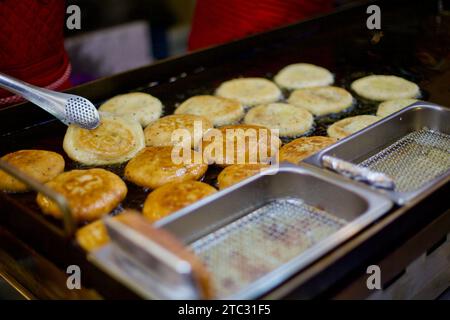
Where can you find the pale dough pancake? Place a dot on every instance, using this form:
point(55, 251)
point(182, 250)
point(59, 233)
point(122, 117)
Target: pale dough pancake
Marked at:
point(162, 133)
point(389, 107)
point(348, 126)
point(116, 140)
point(142, 107)
point(322, 100)
point(238, 172)
point(301, 148)
point(155, 166)
point(220, 111)
point(91, 193)
point(250, 91)
point(240, 144)
point(303, 75)
point(173, 197)
point(38, 164)
point(94, 235)
point(289, 120)
point(382, 88)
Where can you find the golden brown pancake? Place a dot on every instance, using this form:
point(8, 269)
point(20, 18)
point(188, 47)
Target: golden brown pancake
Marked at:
point(154, 167)
point(303, 75)
point(90, 193)
point(291, 121)
point(159, 133)
point(173, 197)
point(116, 140)
point(322, 100)
point(385, 87)
point(301, 148)
point(142, 107)
point(93, 235)
point(220, 111)
point(240, 144)
point(38, 164)
point(350, 125)
point(238, 172)
point(386, 108)
point(250, 91)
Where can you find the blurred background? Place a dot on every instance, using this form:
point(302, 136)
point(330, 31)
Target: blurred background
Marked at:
point(119, 35)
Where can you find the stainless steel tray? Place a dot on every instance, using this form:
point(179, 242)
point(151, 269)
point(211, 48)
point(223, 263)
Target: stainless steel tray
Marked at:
point(255, 235)
point(411, 146)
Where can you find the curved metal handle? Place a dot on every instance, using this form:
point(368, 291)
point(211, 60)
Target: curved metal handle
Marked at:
point(348, 169)
point(151, 261)
point(69, 223)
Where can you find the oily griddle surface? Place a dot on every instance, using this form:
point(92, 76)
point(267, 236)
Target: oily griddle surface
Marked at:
point(412, 48)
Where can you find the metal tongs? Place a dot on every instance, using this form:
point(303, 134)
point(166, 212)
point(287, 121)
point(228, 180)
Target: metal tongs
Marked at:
point(358, 173)
point(68, 108)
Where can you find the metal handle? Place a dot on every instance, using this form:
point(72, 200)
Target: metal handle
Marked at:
point(50, 101)
point(151, 261)
point(365, 175)
point(69, 224)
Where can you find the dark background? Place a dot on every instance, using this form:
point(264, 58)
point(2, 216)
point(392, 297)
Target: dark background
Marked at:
point(118, 35)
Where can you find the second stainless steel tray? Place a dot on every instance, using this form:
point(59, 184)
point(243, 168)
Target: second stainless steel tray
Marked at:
point(411, 146)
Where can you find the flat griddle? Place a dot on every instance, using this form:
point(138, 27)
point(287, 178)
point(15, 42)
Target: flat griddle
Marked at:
point(413, 46)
